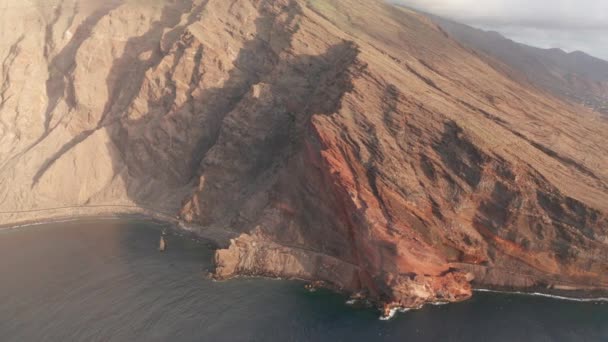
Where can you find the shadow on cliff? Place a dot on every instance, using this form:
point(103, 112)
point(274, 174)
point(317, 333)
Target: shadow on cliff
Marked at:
point(229, 142)
point(125, 77)
point(247, 160)
point(197, 123)
point(264, 130)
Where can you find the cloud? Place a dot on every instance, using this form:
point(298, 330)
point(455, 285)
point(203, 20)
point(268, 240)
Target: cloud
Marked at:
point(568, 24)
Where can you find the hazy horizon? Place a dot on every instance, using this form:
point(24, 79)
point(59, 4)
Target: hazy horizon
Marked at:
point(565, 24)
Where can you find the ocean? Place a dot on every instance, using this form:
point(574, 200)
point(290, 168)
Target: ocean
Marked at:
point(106, 281)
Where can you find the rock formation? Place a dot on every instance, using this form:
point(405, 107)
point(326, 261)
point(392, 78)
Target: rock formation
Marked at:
point(349, 142)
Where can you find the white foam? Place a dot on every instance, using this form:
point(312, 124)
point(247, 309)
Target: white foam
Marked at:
point(546, 295)
point(390, 315)
point(439, 303)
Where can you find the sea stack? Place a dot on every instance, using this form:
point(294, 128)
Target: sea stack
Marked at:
point(352, 142)
point(162, 244)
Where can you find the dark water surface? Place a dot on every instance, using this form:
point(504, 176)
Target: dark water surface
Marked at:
point(107, 282)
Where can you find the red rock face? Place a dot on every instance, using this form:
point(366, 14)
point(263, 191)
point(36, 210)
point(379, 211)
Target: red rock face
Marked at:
point(348, 142)
point(391, 162)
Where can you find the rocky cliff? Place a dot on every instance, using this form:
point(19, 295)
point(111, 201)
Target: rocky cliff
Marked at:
point(348, 142)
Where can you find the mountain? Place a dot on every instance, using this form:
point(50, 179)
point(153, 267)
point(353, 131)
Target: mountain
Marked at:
point(575, 76)
point(350, 143)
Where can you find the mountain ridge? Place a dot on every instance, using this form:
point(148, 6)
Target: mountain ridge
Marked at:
point(347, 142)
point(575, 75)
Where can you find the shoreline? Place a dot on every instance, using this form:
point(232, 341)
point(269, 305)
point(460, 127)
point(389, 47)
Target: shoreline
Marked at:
point(81, 219)
point(219, 236)
point(35, 217)
point(545, 295)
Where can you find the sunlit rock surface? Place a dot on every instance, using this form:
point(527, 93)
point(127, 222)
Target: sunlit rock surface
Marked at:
point(348, 142)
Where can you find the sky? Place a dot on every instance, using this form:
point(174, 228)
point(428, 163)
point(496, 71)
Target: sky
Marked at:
point(567, 24)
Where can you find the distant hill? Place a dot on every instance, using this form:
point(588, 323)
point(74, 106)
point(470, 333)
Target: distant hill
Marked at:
point(577, 76)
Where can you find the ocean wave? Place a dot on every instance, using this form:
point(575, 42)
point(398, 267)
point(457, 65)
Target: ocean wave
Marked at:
point(392, 312)
point(546, 295)
point(390, 315)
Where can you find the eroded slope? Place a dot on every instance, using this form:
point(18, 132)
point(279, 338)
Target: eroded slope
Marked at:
point(343, 141)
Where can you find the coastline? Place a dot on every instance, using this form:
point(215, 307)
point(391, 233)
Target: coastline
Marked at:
point(26, 218)
point(582, 298)
point(85, 218)
point(219, 237)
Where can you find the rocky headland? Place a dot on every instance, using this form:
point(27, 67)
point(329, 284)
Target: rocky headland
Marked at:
point(346, 142)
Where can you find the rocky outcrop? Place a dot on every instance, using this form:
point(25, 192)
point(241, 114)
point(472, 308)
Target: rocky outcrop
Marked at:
point(348, 142)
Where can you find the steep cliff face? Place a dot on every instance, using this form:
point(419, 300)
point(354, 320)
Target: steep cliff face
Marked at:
point(348, 142)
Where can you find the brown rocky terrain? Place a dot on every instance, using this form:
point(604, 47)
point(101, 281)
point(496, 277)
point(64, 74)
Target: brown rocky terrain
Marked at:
point(348, 142)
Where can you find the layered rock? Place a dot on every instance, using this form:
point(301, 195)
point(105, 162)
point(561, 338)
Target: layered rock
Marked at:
point(348, 142)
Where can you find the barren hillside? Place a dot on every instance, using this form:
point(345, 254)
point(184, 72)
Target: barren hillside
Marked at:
point(349, 142)
point(575, 76)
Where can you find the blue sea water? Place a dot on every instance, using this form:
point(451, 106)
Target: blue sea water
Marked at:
point(106, 281)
